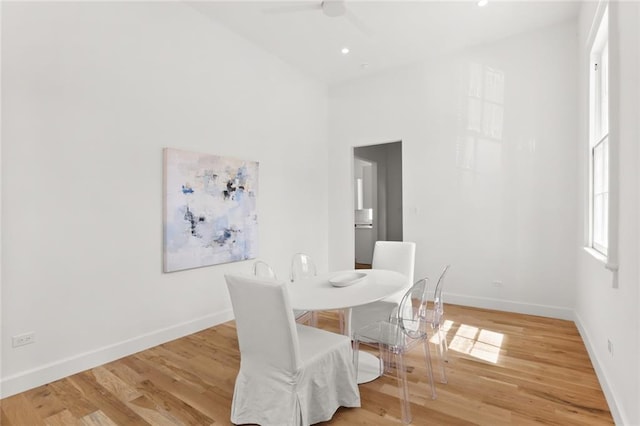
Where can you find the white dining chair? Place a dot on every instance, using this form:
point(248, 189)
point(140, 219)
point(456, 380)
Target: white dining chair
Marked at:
point(398, 256)
point(290, 374)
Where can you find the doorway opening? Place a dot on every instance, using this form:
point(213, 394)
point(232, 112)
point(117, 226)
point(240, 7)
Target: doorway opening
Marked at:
point(377, 198)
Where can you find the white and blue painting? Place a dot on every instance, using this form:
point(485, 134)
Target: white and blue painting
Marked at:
point(210, 210)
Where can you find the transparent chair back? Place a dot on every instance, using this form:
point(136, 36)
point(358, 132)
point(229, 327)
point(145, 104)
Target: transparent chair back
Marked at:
point(412, 309)
point(263, 270)
point(438, 301)
point(302, 266)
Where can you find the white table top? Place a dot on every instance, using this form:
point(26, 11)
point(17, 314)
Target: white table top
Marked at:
point(317, 294)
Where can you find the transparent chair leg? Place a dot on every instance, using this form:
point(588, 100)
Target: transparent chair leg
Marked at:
point(427, 357)
point(444, 343)
point(385, 357)
point(403, 387)
point(356, 352)
point(441, 347)
point(342, 317)
point(442, 359)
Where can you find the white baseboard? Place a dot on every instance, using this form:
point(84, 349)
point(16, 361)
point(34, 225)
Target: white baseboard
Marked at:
point(510, 306)
point(48, 373)
point(618, 415)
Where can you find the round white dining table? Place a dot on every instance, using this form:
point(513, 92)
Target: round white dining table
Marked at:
point(319, 294)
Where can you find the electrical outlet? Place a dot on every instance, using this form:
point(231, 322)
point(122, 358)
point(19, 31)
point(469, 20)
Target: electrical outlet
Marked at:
point(497, 283)
point(23, 339)
point(610, 347)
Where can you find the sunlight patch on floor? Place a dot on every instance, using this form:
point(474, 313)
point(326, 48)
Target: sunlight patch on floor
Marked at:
point(479, 343)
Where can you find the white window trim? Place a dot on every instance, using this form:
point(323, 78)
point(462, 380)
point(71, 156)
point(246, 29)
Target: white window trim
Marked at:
point(598, 132)
point(607, 12)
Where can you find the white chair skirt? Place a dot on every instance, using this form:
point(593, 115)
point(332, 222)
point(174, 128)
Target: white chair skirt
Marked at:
point(309, 396)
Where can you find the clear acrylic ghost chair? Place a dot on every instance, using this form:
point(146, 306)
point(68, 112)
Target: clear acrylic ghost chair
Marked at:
point(290, 374)
point(397, 336)
point(302, 266)
point(398, 256)
point(434, 317)
point(263, 270)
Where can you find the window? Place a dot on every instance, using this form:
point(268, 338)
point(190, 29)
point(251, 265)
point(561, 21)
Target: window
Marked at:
point(599, 140)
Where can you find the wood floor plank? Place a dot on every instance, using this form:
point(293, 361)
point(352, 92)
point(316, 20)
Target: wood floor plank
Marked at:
point(175, 367)
point(62, 418)
point(124, 372)
point(158, 392)
point(153, 413)
point(205, 402)
point(19, 411)
point(71, 398)
point(118, 387)
point(45, 403)
point(4, 420)
point(97, 418)
point(109, 405)
point(503, 369)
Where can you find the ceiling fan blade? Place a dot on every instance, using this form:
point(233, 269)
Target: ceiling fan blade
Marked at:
point(292, 8)
point(357, 22)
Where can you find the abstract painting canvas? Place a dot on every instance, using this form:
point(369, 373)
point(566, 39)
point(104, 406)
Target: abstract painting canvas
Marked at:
point(210, 211)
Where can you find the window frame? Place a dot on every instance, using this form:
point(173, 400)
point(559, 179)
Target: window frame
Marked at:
point(599, 139)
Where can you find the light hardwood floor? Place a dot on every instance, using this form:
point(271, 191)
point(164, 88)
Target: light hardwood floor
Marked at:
point(503, 369)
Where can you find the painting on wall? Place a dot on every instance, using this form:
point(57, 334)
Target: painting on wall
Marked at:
point(210, 211)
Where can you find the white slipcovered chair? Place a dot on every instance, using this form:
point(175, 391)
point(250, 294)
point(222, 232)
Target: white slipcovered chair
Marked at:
point(290, 374)
point(398, 256)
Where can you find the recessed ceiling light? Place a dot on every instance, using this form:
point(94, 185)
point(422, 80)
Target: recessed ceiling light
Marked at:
point(482, 3)
point(345, 50)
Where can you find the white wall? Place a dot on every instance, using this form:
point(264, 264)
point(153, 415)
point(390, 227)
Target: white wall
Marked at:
point(603, 312)
point(91, 93)
point(495, 199)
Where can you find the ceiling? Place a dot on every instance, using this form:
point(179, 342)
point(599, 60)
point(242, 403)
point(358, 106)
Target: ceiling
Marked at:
point(379, 34)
